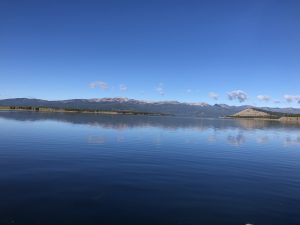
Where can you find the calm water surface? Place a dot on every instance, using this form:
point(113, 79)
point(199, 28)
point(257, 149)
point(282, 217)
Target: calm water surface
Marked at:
point(133, 170)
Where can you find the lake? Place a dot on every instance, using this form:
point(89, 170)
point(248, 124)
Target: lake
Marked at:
point(134, 170)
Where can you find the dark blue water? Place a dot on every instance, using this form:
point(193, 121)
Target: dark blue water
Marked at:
point(133, 170)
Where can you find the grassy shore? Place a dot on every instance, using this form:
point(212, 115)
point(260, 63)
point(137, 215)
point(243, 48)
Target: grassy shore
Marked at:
point(287, 120)
point(259, 114)
point(69, 110)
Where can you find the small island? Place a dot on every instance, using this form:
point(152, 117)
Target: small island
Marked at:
point(255, 113)
point(75, 110)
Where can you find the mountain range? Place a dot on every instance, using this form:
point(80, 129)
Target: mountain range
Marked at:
point(117, 104)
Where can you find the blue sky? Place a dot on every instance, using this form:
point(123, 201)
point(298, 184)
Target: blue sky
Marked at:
point(156, 50)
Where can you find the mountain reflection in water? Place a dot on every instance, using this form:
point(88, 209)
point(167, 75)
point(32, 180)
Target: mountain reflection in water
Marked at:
point(236, 130)
point(74, 169)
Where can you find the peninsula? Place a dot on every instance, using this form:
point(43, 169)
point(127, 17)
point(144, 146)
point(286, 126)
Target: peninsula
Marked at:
point(256, 113)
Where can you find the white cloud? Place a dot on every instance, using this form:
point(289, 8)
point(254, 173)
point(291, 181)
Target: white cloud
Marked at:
point(213, 95)
point(123, 87)
point(277, 101)
point(99, 84)
point(189, 91)
point(292, 98)
point(264, 98)
point(160, 89)
point(239, 95)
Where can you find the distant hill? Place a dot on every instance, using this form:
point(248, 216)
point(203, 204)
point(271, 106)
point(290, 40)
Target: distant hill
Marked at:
point(122, 104)
point(251, 112)
point(257, 113)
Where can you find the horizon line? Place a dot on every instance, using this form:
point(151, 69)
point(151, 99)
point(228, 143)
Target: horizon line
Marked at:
point(151, 101)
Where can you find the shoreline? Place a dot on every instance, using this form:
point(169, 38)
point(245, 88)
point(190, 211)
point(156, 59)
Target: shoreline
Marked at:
point(284, 119)
point(83, 111)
